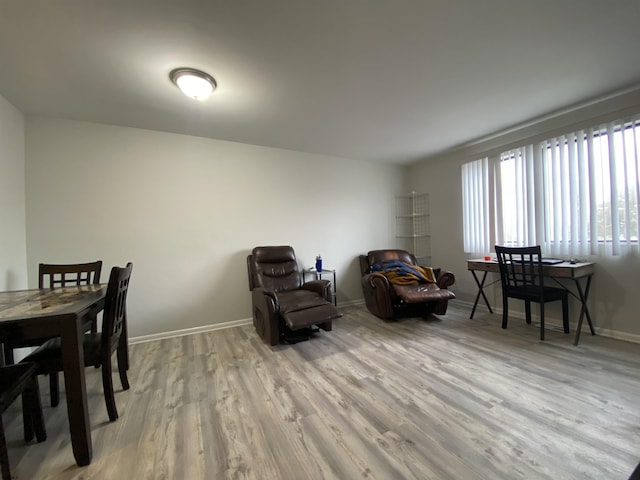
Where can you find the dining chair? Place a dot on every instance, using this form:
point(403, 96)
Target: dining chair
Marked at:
point(98, 347)
point(63, 275)
point(522, 277)
point(58, 276)
point(20, 380)
point(55, 276)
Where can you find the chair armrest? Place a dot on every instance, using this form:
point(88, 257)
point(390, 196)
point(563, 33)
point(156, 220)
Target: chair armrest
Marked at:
point(265, 300)
point(321, 287)
point(445, 279)
point(377, 294)
point(266, 315)
point(375, 280)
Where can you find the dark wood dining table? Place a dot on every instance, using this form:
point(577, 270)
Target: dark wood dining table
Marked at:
point(59, 312)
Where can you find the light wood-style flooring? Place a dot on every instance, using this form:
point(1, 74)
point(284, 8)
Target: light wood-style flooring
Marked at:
point(443, 398)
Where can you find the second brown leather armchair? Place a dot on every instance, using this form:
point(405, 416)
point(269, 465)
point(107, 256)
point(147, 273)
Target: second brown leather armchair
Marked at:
point(387, 300)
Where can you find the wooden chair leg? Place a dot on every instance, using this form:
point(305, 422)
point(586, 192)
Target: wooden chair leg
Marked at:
point(94, 330)
point(27, 415)
point(107, 385)
point(542, 321)
point(4, 455)
point(31, 397)
point(8, 355)
point(54, 389)
point(505, 311)
point(527, 311)
point(122, 368)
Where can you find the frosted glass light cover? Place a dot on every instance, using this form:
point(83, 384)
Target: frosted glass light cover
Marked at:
point(194, 87)
point(193, 83)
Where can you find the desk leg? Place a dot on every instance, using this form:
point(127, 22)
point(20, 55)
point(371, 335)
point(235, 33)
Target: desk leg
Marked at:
point(480, 285)
point(335, 290)
point(584, 310)
point(76, 391)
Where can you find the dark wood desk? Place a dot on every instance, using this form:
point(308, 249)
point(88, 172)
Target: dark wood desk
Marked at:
point(58, 312)
point(560, 271)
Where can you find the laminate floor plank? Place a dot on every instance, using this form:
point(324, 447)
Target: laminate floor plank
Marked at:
point(446, 398)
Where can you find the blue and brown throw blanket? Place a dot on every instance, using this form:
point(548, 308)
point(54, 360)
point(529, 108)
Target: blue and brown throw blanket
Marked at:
point(401, 273)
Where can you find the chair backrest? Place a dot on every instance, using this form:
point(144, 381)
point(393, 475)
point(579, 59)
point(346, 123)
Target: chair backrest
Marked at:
point(13, 379)
point(115, 307)
point(53, 276)
point(274, 268)
point(520, 267)
point(378, 256)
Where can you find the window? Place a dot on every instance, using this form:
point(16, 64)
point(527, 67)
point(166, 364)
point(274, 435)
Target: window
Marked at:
point(575, 195)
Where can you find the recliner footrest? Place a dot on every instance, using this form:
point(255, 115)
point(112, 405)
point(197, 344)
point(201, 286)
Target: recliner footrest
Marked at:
point(423, 292)
point(306, 317)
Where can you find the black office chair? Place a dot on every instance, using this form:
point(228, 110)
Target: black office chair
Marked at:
point(16, 380)
point(521, 274)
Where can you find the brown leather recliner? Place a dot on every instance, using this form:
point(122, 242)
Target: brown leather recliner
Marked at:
point(388, 300)
point(285, 309)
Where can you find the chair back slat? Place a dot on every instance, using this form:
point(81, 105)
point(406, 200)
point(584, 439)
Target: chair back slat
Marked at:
point(115, 307)
point(520, 267)
point(59, 275)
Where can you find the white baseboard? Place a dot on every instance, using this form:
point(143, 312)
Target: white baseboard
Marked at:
point(189, 331)
point(351, 303)
point(211, 328)
point(629, 337)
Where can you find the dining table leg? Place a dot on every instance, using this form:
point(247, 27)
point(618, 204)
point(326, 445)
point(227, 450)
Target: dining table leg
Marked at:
point(76, 391)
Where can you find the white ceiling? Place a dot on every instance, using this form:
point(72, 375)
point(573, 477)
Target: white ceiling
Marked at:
point(378, 80)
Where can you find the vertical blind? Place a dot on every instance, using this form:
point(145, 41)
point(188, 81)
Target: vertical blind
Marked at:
point(476, 206)
point(575, 195)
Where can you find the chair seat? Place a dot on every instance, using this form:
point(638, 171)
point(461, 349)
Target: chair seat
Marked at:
point(13, 379)
point(49, 354)
point(294, 300)
point(533, 293)
point(303, 308)
point(422, 292)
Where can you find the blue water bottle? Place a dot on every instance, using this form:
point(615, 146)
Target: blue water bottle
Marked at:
point(318, 264)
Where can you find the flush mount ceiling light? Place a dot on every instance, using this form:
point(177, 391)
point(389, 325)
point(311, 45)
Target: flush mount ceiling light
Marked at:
point(193, 83)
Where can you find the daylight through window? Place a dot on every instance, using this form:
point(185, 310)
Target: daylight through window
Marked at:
point(576, 194)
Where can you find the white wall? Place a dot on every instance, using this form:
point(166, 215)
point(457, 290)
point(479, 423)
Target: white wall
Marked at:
point(614, 301)
point(187, 210)
point(13, 250)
